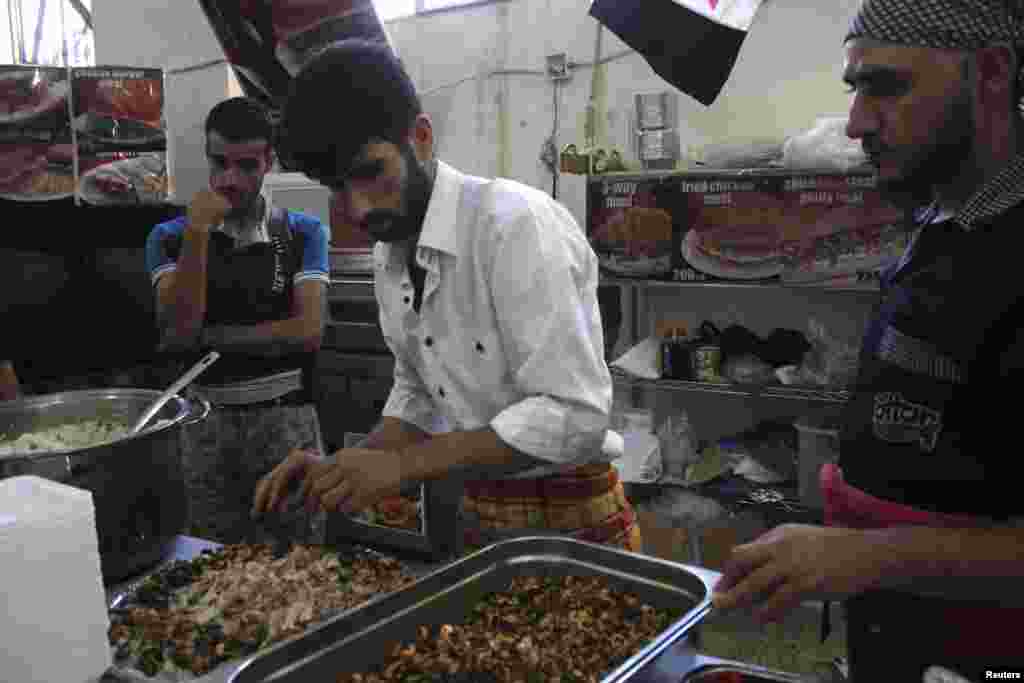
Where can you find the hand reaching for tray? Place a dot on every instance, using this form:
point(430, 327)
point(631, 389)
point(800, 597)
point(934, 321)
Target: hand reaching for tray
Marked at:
point(357, 479)
point(274, 489)
point(795, 562)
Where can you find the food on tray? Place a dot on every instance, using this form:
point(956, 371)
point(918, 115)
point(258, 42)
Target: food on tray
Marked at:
point(736, 244)
point(635, 241)
point(134, 180)
point(64, 437)
point(140, 99)
point(402, 512)
point(637, 232)
point(28, 92)
point(541, 629)
point(240, 599)
point(20, 164)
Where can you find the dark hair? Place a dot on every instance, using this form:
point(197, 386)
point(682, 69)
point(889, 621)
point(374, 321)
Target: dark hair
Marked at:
point(350, 93)
point(240, 119)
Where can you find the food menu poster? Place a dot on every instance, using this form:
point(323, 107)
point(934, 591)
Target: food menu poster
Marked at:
point(630, 228)
point(120, 134)
point(800, 228)
point(36, 154)
point(98, 132)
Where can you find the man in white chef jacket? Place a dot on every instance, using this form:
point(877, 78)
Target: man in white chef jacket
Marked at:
point(488, 299)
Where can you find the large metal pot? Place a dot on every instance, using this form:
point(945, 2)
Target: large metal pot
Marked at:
point(137, 483)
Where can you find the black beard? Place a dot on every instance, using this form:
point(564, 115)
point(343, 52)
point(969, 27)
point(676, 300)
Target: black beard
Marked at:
point(938, 163)
point(408, 222)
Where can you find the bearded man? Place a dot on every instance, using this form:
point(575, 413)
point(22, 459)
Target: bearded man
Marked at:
point(922, 538)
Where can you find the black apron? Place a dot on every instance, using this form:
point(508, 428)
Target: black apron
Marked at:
point(913, 447)
point(251, 285)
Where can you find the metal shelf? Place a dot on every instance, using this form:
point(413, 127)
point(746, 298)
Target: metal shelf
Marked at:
point(770, 285)
point(758, 391)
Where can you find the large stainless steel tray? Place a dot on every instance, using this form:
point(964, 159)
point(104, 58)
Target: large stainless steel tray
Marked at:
point(125, 595)
point(362, 639)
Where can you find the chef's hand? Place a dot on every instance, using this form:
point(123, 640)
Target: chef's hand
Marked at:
point(207, 210)
point(357, 479)
point(273, 488)
point(795, 562)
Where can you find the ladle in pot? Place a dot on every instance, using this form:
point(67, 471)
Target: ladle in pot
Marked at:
point(173, 390)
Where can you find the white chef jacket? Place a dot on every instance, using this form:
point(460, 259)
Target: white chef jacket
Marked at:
point(509, 330)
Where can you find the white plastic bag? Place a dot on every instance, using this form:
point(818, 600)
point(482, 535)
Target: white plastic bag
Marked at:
point(824, 148)
point(753, 153)
point(832, 361)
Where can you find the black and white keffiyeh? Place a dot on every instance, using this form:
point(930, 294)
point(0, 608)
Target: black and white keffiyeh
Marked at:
point(948, 24)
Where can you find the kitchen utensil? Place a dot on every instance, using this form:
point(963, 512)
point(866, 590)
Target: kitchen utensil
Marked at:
point(137, 482)
point(173, 390)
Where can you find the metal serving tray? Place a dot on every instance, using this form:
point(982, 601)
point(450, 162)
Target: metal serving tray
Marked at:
point(362, 639)
point(713, 670)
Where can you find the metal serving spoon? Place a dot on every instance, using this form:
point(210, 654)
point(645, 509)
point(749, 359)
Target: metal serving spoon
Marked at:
point(183, 382)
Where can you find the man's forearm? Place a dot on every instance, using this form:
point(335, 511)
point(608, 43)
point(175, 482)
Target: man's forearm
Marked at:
point(957, 564)
point(188, 309)
point(393, 434)
point(271, 339)
point(476, 454)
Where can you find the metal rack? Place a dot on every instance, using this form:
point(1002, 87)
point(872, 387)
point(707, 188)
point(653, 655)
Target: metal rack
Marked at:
point(716, 284)
point(753, 391)
point(638, 288)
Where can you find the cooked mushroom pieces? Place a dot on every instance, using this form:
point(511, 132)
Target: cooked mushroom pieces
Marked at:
point(540, 630)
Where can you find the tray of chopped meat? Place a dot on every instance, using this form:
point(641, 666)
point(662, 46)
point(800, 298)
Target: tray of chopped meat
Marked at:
point(202, 617)
point(539, 610)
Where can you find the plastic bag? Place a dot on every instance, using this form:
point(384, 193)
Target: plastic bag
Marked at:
point(831, 361)
point(678, 446)
point(825, 147)
point(748, 369)
point(758, 153)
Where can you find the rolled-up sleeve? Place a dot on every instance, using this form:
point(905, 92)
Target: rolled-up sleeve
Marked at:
point(544, 284)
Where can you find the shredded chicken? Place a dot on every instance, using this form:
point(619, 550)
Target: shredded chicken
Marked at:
point(538, 631)
point(246, 598)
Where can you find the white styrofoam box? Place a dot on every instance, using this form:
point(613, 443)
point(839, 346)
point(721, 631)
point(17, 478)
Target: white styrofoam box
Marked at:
point(54, 614)
point(30, 500)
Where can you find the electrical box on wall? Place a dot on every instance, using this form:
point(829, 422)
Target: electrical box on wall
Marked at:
point(558, 67)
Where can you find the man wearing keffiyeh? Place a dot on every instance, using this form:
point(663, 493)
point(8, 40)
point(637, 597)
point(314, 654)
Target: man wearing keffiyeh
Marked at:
point(923, 540)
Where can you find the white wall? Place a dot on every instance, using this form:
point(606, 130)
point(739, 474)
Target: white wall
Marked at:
point(787, 74)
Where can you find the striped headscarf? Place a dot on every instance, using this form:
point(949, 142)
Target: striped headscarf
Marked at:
point(950, 24)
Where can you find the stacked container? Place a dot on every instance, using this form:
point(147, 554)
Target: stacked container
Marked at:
point(54, 617)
